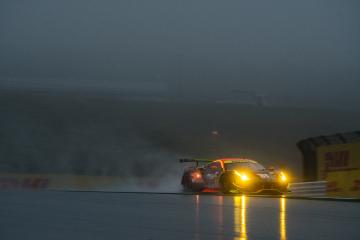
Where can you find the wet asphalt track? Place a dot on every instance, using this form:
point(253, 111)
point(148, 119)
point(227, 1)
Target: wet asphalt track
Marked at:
point(96, 215)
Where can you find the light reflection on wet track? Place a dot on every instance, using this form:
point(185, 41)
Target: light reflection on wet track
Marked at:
point(94, 215)
point(282, 218)
point(240, 217)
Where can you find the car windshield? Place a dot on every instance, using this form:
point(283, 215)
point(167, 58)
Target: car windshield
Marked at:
point(247, 165)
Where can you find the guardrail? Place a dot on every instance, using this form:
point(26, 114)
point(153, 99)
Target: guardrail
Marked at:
point(308, 189)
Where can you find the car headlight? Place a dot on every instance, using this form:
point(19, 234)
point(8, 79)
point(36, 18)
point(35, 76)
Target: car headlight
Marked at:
point(283, 177)
point(196, 176)
point(242, 176)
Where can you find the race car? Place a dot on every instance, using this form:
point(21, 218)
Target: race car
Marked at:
point(233, 175)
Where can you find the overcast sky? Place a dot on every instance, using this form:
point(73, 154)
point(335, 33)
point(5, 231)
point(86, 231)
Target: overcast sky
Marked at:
point(302, 48)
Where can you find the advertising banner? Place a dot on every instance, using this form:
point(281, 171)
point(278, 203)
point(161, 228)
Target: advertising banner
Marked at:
point(339, 164)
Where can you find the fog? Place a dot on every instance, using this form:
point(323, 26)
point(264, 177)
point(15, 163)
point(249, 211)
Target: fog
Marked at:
point(127, 87)
point(96, 134)
point(306, 52)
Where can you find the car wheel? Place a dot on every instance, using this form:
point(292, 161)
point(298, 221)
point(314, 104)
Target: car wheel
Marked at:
point(227, 184)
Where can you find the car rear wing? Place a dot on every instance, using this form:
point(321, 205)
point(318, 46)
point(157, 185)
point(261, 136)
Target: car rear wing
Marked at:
point(197, 161)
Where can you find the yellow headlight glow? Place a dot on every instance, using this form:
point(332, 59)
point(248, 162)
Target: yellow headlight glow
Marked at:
point(283, 177)
point(242, 176)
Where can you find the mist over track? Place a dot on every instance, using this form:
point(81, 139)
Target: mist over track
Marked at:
point(100, 134)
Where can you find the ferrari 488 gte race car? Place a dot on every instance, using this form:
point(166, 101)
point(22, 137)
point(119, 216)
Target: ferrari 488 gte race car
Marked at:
point(233, 175)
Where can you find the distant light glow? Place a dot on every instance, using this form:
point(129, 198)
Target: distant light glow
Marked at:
point(215, 133)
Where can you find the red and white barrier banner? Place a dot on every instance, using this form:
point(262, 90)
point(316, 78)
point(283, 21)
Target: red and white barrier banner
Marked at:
point(24, 182)
point(58, 182)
